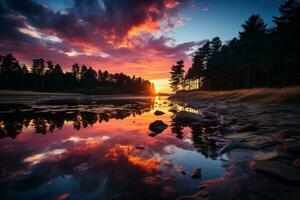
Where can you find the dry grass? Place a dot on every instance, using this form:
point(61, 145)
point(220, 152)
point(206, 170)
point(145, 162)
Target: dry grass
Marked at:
point(260, 95)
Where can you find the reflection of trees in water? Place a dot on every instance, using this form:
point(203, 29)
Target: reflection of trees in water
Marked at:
point(200, 134)
point(177, 128)
point(11, 124)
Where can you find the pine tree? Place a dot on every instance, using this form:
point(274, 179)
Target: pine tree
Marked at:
point(177, 75)
point(38, 67)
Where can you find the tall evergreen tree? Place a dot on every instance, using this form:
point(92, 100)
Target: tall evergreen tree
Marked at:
point(177, 75)
point(38, 67)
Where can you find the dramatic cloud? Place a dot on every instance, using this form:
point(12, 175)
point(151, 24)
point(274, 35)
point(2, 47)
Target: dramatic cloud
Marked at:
point(115, 35)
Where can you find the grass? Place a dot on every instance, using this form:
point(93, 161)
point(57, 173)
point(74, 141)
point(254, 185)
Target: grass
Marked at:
point(259, 95)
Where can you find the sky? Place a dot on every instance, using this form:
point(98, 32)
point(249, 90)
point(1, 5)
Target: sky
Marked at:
point(136, 37)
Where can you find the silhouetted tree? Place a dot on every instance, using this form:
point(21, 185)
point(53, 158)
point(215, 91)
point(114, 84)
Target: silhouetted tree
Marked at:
point(53, 78)
point(177, 75)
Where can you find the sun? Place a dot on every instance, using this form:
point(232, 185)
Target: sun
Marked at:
point(157, 89)
point(161, 85)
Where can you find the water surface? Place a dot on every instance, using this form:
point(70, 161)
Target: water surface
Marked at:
point(100, 149)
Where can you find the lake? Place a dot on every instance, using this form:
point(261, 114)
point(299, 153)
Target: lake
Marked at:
point(101, 148)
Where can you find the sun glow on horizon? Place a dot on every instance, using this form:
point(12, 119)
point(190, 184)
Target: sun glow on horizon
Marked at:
point(161, 85)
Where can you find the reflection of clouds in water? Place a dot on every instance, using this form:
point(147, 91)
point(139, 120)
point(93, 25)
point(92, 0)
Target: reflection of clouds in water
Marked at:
point(170, 149)
point(79, 139)
point(37, 158)
point(102, 160)
point(120, 152)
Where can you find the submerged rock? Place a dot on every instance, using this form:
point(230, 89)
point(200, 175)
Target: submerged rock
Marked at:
point(296, 163)
point(229, 146)
point(158, 126)
point(158, 112)
point(183, 172)
point(246, 128)
point(196, 173)
point(153, 134)
point(188, 117)
point(140, 147)
point(292, 148)
point(252, 141)
point(173, 110)
point(277, 168)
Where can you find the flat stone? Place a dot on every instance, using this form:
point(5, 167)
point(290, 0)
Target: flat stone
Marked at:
point(277, 168)
point(252, 141)
point(229, 146)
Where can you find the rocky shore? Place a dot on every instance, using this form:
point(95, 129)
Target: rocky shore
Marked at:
point(258, 137)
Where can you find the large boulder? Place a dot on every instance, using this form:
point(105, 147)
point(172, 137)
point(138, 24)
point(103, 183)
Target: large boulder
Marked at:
point(158, 126)
point(188, 117)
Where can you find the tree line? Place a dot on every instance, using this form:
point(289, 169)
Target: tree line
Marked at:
point(259, 57)
point(49, 77)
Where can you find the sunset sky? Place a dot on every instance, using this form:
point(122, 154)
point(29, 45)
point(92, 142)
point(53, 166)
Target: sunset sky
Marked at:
point(137, 37)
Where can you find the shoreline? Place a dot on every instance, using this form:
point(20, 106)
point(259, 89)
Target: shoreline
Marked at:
point(260, 96)
point(18, 96)
point(260, 135)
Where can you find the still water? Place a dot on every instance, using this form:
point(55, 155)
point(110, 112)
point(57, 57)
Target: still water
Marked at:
point(100, 149)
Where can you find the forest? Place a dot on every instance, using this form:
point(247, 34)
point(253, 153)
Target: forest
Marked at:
point(259, 57)
point(47, 77)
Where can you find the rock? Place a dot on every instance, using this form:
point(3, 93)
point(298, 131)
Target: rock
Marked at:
point(152, 134)
point(246, 128)
point(251, 140)
point(284, 134)
point(173, 110)
point(229, 146)
point(292, 148)
point(277, 168)
point(188, 117)
point(183, 172)
point(266, 155)
point(140, 147)
point(196, 173)
point(296, 163)
point(158, 126)
point(158, 112)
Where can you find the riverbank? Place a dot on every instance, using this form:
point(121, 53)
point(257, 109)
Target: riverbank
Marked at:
point(261, 96)
point(258, 132)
